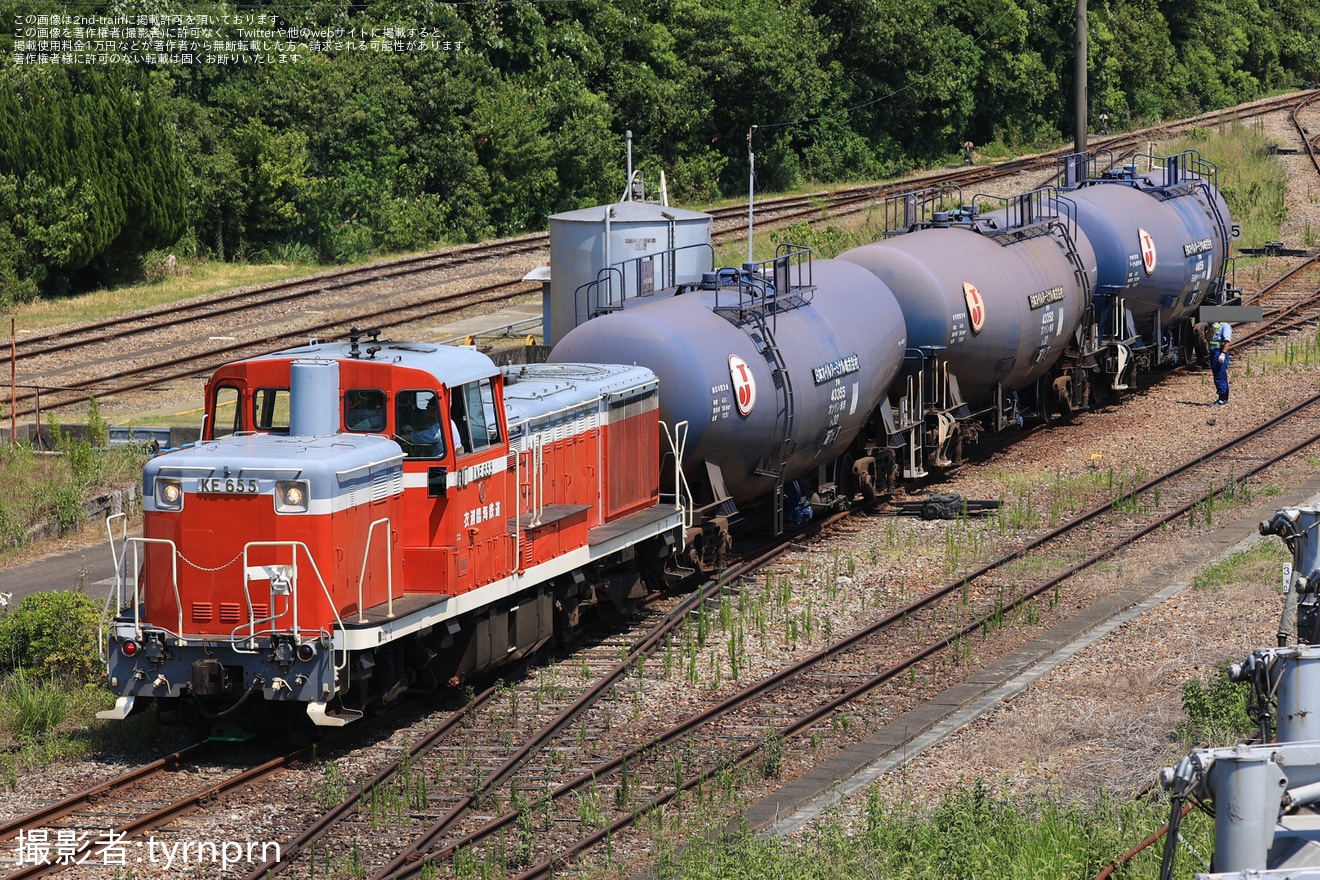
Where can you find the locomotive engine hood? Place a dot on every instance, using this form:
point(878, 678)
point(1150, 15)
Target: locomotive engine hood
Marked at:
point(330, 469)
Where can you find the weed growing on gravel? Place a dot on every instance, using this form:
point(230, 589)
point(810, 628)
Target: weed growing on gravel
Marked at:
point(1216, 710)
point(1252, 185)
point(41, 487)
point(968, 832)
point(1261, 561)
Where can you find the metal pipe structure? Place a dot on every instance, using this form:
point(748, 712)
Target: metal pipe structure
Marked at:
point(1081, 97)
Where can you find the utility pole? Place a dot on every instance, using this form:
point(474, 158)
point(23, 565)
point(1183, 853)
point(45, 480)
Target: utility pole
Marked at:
point(751, 190)
point(1080, 121)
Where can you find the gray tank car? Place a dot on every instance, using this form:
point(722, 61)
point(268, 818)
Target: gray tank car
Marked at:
point(775, 367)
point(1161, 244)
point(1000, 295)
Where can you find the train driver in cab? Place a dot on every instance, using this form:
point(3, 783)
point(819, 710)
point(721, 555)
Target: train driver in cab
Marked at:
point(429, 434)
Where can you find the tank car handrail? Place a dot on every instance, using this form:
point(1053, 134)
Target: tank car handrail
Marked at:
point(678, 444)
point(295, 545)
point(916, 206)
point(787, 285)
point(1040, 206)
point(669, 275)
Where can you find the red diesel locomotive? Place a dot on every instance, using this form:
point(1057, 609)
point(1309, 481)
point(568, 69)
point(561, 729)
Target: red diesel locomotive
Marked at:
point(362, 518)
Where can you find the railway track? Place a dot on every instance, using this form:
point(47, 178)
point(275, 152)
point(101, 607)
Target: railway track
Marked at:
point(554, 783)
point(1290, 301)
point(1310, 142)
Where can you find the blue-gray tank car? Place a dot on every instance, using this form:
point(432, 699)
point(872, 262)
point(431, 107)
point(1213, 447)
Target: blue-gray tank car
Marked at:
point(774, 367)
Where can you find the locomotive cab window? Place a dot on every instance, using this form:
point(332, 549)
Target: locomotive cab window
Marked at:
point(473, 410)
point(364, 410)
point(227, 415)
point(418, 421)
point(270, 409)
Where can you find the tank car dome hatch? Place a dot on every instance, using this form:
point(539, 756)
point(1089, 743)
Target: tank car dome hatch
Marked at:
point(1004, 310)
point(765, 400)
point(633, 236)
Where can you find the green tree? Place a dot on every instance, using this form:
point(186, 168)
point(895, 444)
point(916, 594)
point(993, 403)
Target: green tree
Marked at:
point(95, 179)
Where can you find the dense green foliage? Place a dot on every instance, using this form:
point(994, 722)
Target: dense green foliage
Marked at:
point(52, 634)
point(1217, 711)
point(89, 177)
point(346, 153)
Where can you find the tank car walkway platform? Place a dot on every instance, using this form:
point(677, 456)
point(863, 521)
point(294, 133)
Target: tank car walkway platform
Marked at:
point(852, 770)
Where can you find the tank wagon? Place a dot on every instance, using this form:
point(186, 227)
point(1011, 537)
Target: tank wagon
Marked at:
point(361, 519)
point(775, 368)
point(1161, 245)
point(1019, 309)
point(996, 294)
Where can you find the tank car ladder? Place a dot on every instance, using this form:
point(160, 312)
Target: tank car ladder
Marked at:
point(774, 463)
point(760, 298)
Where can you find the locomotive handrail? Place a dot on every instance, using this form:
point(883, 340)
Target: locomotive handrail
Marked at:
point(115, 594)
point(114, 556)
point(294, 545)
point(136, 543)
point(362, 576)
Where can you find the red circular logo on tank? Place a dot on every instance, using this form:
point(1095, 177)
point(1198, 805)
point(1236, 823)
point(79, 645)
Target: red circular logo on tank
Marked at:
point(975, 306)
point(1147, 251)
point(744, 385)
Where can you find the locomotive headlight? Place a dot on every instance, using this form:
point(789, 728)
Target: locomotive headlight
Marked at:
point(169, 494)
point(291, 496)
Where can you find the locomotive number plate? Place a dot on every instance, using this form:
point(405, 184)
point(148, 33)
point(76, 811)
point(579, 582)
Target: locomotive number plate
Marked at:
point(229, 486)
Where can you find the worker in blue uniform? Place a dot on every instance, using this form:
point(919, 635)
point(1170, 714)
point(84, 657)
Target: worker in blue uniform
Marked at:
point(1221, 336)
